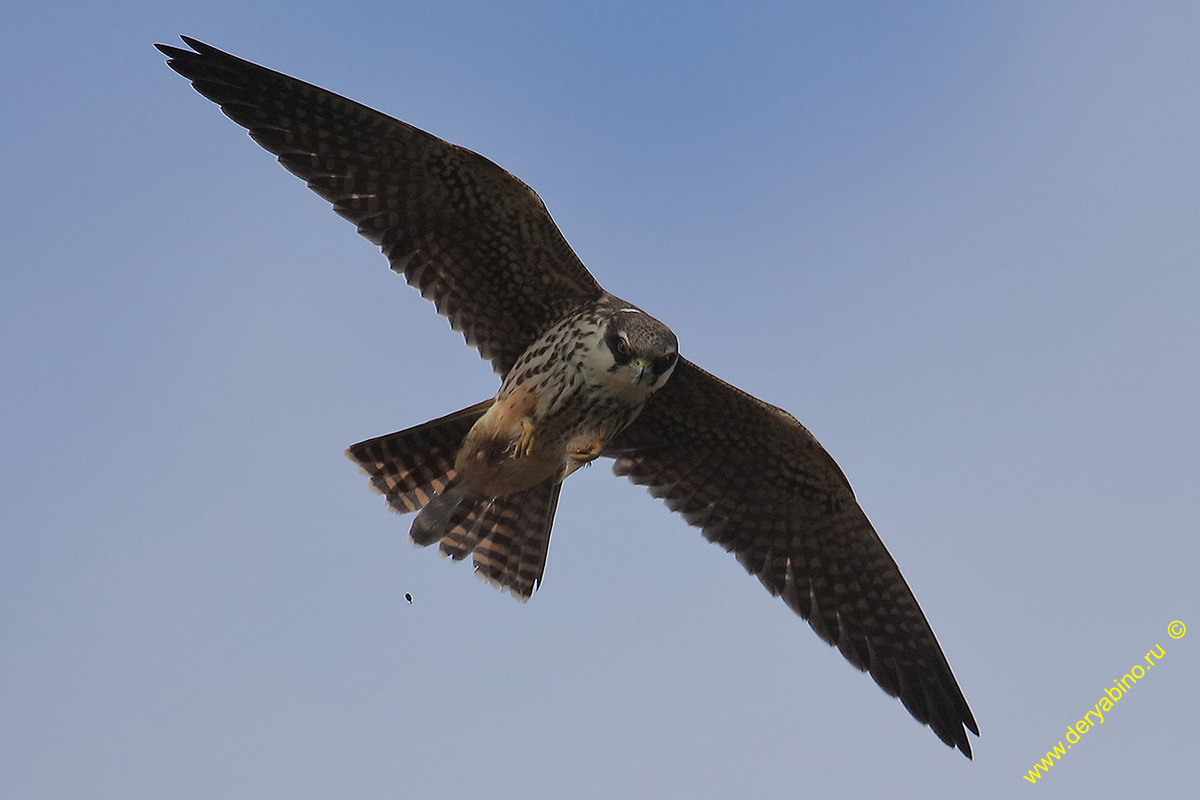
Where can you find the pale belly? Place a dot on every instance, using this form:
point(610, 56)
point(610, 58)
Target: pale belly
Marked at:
point(556, 409)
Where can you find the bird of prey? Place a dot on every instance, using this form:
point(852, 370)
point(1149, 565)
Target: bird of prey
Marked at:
point(583, 375)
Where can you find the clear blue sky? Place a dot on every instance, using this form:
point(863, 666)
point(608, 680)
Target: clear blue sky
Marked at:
point(960, 241)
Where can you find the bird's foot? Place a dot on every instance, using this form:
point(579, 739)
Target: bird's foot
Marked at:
point(587, 453)
point(524, 444)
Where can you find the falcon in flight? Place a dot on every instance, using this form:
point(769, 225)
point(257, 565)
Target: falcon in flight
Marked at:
point(584, 374)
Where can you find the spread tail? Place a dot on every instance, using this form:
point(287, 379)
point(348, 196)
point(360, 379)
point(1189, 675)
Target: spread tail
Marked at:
point(414, 470)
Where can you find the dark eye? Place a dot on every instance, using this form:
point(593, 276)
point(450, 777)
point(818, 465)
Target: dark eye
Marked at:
point(663, 364)
point(619, 348)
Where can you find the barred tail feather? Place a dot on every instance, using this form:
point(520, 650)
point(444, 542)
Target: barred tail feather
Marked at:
point(412, 466)
point(414, 470)
point(508, 536)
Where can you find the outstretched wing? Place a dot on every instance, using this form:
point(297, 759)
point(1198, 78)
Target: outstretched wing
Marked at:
point(470, 236)
point(756, 482)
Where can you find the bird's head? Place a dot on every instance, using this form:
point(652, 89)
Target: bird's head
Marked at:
point(643, 351)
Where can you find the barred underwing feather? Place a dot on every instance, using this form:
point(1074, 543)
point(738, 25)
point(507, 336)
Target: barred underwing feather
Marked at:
point(457, 226)
point(772, 495)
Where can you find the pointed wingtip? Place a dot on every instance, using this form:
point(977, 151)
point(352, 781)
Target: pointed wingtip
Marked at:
point(172, 50)
point(198, 48)
point(964, 747)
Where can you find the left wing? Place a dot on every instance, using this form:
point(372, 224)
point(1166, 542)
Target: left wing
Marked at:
point(756, 482)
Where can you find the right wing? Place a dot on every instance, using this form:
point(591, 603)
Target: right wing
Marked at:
point(470, 236)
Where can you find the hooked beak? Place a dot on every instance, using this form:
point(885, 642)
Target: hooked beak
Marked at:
point(640, 368)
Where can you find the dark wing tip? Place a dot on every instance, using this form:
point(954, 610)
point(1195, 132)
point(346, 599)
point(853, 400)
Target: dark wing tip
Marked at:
point(191, 64)
point(179, 54)
point(797, 528)
point(198, 48)
point(932, 695)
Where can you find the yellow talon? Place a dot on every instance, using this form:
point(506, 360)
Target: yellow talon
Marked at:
point(525, 440)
